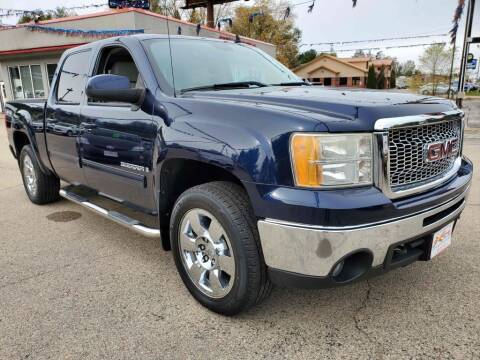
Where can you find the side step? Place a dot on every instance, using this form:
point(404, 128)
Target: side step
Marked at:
point(119, 218)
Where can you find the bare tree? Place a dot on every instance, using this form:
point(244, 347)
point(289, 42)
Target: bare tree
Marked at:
point(435, 61)
point(41, 15)
point(197, 16)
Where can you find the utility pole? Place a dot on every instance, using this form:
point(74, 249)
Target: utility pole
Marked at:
point(451, 71)
point(193, 4)
point(478, 67)
point(466, 45)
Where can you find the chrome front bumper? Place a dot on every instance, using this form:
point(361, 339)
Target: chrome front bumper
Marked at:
point(314, 250)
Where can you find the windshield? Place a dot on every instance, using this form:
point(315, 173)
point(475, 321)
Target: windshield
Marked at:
point(203, 63)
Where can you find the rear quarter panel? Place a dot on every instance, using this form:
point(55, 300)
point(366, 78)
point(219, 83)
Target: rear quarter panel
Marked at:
point(27, 117)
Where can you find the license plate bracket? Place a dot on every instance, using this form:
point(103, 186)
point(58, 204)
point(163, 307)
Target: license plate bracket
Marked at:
point(441, 240)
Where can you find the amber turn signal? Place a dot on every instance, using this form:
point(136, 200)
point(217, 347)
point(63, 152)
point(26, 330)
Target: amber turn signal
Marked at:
point(304, 154)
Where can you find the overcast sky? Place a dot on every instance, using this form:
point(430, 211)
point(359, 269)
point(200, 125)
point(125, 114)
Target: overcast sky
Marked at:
point(336, 20)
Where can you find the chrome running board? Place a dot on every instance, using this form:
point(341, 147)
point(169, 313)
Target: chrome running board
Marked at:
point(115, 216)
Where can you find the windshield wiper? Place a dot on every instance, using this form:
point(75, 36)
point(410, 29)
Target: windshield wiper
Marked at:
point(422, 100)
point(293, 83)
point(232, 85)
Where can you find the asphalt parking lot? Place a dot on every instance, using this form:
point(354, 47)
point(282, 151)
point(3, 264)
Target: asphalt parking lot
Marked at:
point(76, 286)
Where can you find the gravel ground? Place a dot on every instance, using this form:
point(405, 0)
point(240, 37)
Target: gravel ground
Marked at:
point(76, 286)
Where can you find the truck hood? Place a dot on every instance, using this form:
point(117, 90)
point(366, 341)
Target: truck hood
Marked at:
point(340, 110)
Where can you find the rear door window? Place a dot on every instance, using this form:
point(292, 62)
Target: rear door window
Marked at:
point(71, 83)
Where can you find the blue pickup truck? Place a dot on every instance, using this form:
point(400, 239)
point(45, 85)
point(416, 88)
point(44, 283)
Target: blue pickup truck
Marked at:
point(255, 177)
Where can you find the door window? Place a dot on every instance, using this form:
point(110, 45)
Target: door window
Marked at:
point(118, 61)
point(71, 83)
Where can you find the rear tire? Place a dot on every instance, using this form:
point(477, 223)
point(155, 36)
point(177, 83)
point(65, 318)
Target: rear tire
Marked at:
point(40, 187)
point(213, 228)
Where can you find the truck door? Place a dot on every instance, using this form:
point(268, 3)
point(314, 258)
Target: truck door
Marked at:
point(117, 140)
point(63, 117)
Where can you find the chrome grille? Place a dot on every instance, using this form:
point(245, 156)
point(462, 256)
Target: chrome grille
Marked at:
point(407, 152)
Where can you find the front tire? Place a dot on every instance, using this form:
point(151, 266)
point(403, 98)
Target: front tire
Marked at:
point(216, 247)
point(41, 188)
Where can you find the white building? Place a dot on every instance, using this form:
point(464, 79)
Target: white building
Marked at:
point(29, 53)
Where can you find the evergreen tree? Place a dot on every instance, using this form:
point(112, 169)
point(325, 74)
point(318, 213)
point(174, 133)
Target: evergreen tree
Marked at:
point(381, 79)
point(307, 56)
point(359, 53)
point(393, 80)
point(372, 78)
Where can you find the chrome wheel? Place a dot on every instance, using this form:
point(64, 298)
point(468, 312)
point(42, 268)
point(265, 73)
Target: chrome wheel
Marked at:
point(29, 175)
point(206, 253)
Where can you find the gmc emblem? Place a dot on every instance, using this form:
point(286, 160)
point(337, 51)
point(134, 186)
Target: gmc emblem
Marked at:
point(441, 150)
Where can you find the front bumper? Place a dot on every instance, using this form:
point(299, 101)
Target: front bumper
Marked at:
point(294, 251)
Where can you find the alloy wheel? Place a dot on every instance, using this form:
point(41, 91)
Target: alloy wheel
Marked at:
point(30, 175)
point(206, 253)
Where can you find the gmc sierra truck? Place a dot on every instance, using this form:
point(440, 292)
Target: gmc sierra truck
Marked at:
point(255, 177)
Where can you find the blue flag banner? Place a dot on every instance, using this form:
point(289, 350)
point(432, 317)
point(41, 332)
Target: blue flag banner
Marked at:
point(84, 33)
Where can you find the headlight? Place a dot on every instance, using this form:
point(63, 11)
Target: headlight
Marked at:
point(331, 160)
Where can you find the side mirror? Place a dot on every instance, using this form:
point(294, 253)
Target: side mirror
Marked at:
point(113, 88)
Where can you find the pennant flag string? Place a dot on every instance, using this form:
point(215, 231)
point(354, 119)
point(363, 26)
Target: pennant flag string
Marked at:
point(227, 20)
point(254, 15)
point(310, 7)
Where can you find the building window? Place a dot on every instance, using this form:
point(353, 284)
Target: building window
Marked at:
point(316, 80)
point(50, 72)
point(327, 81)
point(356, 81)
point(343, 81)
point(27, 82)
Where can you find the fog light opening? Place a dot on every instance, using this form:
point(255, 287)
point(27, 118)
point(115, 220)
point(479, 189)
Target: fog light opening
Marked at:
point(338, 268)
point(352, 267)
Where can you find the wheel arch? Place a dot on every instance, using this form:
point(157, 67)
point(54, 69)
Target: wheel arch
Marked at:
point(180, 174)
point(21, 139)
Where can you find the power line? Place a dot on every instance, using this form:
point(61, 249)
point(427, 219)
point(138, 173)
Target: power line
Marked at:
point(20, 12)
point(385, 47)
point(375, 40)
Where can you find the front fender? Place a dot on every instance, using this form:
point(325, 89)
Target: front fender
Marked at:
point(248, 156)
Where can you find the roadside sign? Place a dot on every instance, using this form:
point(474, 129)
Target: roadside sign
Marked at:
point(472, 65)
